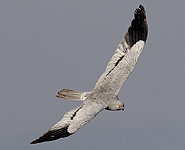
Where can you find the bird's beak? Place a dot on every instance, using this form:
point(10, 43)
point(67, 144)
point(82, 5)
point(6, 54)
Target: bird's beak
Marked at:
point(122, 108)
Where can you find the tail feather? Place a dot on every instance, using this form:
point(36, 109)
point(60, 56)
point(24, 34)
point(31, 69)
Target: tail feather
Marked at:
point(70, 94)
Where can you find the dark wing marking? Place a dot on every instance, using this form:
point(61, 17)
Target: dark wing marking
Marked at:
point(139, 28)
point(116, 64)
point(52, 135)
point(72, 121)
point(59, 130)
point(125, 58)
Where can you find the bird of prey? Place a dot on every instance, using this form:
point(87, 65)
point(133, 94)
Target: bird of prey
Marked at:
point(105, 93)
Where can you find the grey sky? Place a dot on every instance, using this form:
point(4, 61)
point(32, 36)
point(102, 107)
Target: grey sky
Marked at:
point(50, 45)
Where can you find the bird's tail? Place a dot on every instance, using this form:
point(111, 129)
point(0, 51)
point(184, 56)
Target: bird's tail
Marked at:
point(72, 94)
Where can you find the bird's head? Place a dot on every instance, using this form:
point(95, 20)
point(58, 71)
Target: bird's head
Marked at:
point(115, 105)
point(120, 106)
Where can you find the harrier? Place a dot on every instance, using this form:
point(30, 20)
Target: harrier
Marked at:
point(105, 93)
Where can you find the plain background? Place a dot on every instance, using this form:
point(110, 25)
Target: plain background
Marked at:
point(49, 45)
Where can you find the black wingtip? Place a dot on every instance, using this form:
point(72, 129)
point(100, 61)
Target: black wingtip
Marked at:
point(34, 142)
point(52, 135)
point(139, 28)
point(140, 13)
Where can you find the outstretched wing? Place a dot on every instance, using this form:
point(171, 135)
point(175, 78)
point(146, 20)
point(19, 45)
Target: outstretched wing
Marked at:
point(71, 122)
point(126, 55)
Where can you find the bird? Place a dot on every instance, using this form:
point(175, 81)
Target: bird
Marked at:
point(105, 93)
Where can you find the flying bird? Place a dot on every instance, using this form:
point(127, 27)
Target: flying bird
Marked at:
point(105, 93)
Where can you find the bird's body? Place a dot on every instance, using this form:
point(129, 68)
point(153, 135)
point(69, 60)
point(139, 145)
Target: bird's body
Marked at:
point(105, 93)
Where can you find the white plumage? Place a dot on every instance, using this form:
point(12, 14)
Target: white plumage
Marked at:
point(105, 93)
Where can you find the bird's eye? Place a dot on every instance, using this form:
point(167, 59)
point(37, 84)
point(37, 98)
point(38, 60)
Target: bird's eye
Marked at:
point(118, 105)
